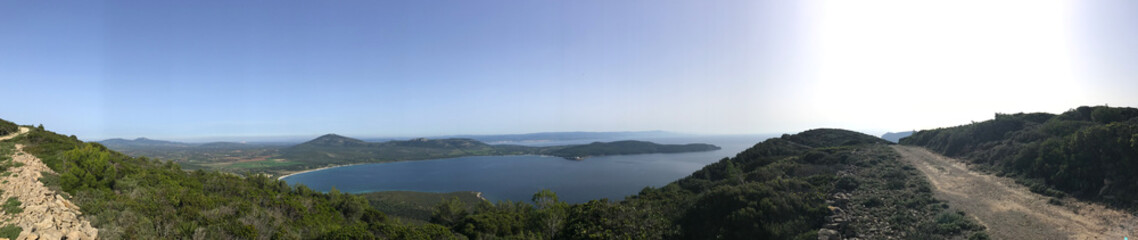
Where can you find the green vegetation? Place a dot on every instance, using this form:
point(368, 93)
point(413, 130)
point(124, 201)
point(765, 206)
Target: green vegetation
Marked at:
point(12, 206)
point(1087, 152)
point(7, 127)
point(270, 163)
point(777, 189)
point(626, 147)
point(10, 231)
point(6, 150)
point(782, 188)
point(139, 198)
point(416, 207)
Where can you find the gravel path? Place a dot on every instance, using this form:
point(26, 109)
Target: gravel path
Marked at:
point(1010, 210)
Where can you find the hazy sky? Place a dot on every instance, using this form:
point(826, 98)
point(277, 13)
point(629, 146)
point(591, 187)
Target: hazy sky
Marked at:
point(201, 70)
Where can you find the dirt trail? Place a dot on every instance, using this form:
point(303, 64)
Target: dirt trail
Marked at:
point(23, 130)
point(46, 214)
point(1010, 210)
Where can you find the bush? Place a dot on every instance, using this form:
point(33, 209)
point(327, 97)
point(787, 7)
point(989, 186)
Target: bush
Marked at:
point(846, 183)
point(12, 206)
point(10, 231)
point(954, 222)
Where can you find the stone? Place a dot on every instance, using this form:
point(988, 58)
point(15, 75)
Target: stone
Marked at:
point(27, 236)
point(828, 234)
point(51, 235)
point(44, 225)
point(76, 235)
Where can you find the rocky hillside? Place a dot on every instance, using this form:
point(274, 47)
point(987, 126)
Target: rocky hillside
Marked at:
point(45, 213)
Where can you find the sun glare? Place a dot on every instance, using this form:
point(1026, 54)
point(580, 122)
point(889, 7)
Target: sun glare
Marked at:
point(942, 56)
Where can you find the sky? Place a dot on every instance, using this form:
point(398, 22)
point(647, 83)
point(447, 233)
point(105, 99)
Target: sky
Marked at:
point(238, 70)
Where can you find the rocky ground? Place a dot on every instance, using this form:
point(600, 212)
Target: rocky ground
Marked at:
point(46, 214)
point(880, 197)
point(1010, 210)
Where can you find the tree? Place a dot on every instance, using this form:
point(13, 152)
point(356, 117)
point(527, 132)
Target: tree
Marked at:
point(449, 212)
point(550, 213)
point(87, 167)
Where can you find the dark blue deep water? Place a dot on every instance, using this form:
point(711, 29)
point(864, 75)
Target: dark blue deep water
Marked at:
point(517, 178)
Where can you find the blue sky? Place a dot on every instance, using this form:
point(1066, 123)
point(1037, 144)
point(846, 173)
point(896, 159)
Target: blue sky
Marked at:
point(233, 70)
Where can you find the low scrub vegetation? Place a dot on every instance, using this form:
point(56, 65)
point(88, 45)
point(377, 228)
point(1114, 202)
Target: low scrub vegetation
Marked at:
point(1087, 152)
point(7, 127)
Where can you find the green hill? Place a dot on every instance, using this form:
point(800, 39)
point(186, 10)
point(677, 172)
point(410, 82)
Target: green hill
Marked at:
point(819, 182)
point(332, 149)
point(1086, 152)
point(7, 127)
point(626, 147)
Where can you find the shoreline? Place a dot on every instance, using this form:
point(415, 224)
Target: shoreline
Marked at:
point(431, 159)
point(317, 169)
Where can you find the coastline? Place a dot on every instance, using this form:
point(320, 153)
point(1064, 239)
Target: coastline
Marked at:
point(345, 165)
point(317, 169)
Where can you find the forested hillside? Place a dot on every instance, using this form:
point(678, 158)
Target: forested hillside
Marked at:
point(1086, 152)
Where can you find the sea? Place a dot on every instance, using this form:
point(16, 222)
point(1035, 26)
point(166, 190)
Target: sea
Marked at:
point(517, 178)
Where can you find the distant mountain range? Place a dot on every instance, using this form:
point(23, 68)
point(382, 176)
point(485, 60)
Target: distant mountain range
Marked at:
point(336, 149)
point(333, 149)
point(143, 142)
point(493, 139)
point(565, 136)
point(896, 136)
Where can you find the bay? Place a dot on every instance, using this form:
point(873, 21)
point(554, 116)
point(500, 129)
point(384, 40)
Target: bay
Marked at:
point(517, 178)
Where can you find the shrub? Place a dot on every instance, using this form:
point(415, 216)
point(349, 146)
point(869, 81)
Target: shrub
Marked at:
point(10, 231)
point(12, 206)
point(846, 183)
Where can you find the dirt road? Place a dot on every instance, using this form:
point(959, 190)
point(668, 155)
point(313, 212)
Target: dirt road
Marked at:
point(1010, 210)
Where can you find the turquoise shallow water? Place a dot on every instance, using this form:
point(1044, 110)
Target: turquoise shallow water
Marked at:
point(516, 178)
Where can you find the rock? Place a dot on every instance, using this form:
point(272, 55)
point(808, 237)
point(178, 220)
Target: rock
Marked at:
point(27, 236)
point(834, 226)
point(44, 225)
point(51, 235)
point(76, 235)
point(827, 234)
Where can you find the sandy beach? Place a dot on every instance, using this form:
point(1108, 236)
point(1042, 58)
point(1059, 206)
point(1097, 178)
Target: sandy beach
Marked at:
point(317, 169)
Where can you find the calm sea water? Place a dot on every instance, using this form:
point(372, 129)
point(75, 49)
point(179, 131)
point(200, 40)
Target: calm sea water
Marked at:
point(517, 178)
